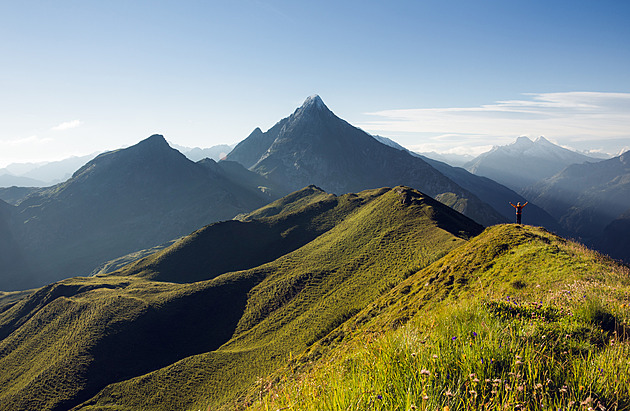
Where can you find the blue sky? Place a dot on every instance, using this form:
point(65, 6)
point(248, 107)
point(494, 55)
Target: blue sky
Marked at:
point(84, 76)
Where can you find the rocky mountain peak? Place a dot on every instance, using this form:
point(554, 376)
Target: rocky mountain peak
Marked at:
point(156, 141)
point(312, 105)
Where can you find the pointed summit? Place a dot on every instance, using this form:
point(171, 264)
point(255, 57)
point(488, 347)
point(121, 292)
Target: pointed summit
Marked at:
point(315, 101)
point(154, 142)
point(312, 104)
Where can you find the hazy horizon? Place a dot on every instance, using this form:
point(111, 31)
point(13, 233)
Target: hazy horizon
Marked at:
point(455, 77)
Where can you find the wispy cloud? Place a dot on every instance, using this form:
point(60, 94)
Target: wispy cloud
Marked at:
point(25, 141)
point(67, 125)
point(565, 117)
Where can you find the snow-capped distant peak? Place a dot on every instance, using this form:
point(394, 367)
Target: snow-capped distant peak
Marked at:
point(523, 140)
point(543, 140)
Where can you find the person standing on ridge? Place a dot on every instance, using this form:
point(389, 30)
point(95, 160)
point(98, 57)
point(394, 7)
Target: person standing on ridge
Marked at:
point(519, 210)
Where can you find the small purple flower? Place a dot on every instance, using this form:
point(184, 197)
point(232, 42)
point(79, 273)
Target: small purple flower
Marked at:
point(453, 338)
point(380, 397)
point(474, 334)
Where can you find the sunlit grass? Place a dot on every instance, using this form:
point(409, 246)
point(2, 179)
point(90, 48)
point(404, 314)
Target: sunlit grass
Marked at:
point(498, 355)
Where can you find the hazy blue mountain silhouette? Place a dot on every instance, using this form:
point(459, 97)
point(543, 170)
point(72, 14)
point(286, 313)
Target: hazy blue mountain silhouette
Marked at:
point(489, 191)
point(587, 197)
point(524, 162)
point(122, 201)
point(615, 240)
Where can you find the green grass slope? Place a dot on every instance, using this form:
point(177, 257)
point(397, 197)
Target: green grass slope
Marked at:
point(302, 296)
point(254, 239)
point(516, 318)
point(231, 246)
point(70, 339)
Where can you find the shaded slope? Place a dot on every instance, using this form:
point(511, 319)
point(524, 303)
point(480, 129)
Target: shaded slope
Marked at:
point(313, 146)
point(12, 261)
point(615, 239)
point(586, 197)
point(15, 195)
point(68, 340)
point(303, 295)
point(150, 192)
point(264, 235)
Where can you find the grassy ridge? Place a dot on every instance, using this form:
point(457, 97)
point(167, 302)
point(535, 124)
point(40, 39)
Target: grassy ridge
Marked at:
point(303, 296)
point(257, 238)
point(516, 318)
point(132, 340)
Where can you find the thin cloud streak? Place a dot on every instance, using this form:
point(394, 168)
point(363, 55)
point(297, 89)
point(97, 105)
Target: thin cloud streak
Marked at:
point(26, 141)
point(67, 125)
point(565, 117)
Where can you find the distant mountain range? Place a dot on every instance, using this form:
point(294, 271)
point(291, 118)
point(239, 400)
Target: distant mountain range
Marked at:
point(41, 174)
point(215, 153)
point(586, 198)
point(491, 192)
point(122, 201)
point(455, 160)
point(525, 162)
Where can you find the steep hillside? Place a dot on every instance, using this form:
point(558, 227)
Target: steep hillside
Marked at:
point(15, 195)
point(615, 239)
point(585, 198)
point(525, 162)
point(202, 344)
point(517, 318)
point(124, 201)
point(12, 260)
point(314, 146)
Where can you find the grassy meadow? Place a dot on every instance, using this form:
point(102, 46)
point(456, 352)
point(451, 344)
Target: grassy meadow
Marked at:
point(512, 333)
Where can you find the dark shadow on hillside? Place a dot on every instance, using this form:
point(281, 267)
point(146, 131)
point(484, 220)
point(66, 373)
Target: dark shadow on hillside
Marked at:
point(239, 245)
point(192, 324)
